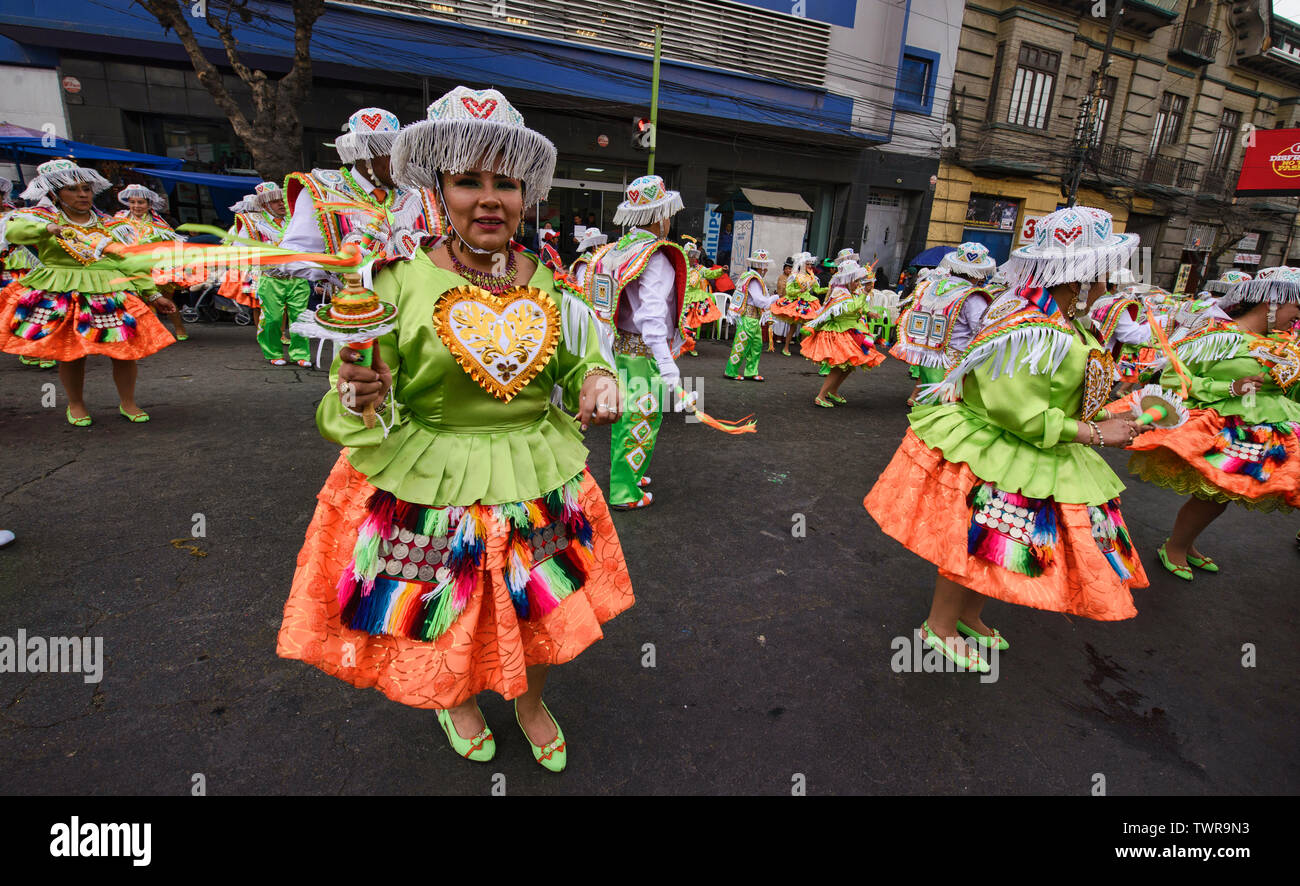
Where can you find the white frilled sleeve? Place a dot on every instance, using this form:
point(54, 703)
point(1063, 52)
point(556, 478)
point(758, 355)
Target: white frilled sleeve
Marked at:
point(303, 235)
point(652, 305)
point(1132, 332)
point(757, 297)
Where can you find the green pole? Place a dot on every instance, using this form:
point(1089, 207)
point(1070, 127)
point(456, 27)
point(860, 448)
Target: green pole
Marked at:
point(654, 99)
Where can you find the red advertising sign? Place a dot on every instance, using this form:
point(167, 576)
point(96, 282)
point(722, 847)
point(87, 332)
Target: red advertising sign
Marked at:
point(1271, 165)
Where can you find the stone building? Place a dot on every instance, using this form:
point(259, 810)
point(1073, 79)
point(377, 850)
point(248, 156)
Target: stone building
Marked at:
point(1162, 147)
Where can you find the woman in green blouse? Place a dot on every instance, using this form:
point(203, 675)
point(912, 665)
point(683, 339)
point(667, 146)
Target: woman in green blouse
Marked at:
point(995, 483)
point(463, 545)
point(1240, 440)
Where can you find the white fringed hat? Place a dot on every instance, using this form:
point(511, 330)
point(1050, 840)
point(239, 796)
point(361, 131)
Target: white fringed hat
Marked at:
point(849, 271)
point(1278, 285)
point(591, 238)
point(803, 260)
point(1229, 279)
point(370, 132)
point(264, 193)
point(844, 255)
point(54, 174)
point(6, 187)
point(1073, 245)
point(648, 201)
point(245, 204)
point(970, 259)
point(760, 257)
point(474, 129)
point(156, 201)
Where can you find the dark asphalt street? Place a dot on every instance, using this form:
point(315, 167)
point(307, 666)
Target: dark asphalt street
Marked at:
point(772, 653)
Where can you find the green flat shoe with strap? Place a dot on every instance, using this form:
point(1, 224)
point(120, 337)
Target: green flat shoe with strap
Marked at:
point(135, 418)
point(1205, 564)
point(837, 398)
point(480, 748)
point(820, 402)
point(1181, 571)
point(554, 756)
point(84, 422)
point(993, 641)
point(973, 662)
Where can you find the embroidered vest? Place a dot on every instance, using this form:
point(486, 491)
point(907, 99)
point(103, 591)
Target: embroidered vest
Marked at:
point(740, 302)
point(925, 334)
point(613, 267)
point(260, 226)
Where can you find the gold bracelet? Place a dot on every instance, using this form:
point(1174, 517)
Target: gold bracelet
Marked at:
point(599, 370)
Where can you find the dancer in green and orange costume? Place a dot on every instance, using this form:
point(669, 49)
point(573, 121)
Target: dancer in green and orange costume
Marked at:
point(1241, 444)
point(995, 483)
point(81, 301)
point(700, 307)
point(838, 336)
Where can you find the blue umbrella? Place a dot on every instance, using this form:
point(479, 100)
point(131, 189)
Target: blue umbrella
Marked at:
point(931, 257)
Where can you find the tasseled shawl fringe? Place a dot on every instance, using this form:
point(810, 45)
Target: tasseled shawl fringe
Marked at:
point(1026, 345)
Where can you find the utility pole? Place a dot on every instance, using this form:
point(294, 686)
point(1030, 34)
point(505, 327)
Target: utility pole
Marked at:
point(1084, 138)
point(654, 99)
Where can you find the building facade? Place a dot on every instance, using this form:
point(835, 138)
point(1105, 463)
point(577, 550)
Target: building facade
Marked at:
point(1158, 142)
point(788, 96)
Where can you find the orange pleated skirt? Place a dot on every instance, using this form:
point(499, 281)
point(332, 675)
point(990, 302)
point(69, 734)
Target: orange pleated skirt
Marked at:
point(64, 343)
point(1176, 459)
point(702, 312)
point(838, 349)
point(486, 647)
point(922, 500)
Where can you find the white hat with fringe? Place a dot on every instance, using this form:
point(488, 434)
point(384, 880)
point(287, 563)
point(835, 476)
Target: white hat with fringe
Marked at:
point(849, 271)
point(802, 260)
point(370, 132)
point(1275, 285)
point(54, 174)
point(591, 238)
point(970, 259)
point(157, 201)
point(471, 129)
point(6, 187)
point(1077, 244)
point(648, 201)
point(760, 257)
point(264, 193)
point(1229, 279)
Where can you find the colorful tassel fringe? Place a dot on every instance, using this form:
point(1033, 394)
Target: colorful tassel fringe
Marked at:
point(1112, 538)
point(1031, 549)
point(423, 610)
point(1253, 450)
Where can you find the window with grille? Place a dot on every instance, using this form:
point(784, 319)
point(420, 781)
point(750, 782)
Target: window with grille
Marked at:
point(885, 198)
point(1221, 156)
point(1169, 121)
point(1031, 93)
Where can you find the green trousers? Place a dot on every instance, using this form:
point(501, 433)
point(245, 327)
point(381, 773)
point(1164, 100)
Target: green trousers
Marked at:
point(746, 350)
point(930, 374)
point(276, 293)
point(632, 438)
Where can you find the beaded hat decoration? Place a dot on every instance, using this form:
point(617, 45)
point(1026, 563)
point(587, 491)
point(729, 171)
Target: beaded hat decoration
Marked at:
point(1278, 285)
point(1077, 244)
point(156, 200)
point(760, 257)
point(844, 255)
point(971, 259)
point(369, 132)
point(265, 193)
point(54, 174)
point(470, 129)
point(591, 238)
point(1229, 279)
point(648, 200)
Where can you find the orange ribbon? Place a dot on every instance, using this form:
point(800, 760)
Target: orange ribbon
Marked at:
point(1167, 349)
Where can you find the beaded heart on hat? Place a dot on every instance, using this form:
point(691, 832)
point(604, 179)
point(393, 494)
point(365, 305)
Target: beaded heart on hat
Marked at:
point(969, 258)
point(1076, 244)
point(1278, 285)
point(760, 257)
point(648, 200)
point(469, 129)
point(369, 133)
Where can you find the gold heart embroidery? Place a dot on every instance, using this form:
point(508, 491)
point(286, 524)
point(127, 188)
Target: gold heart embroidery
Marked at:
point(501, 341)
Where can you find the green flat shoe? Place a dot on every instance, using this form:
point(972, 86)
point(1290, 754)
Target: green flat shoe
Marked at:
point(554, 756)
point(1205, 564)
point(934, 641)
point(1181, 571)
point(820, 402)
point(84, 422)
point(989, 642)
point(182, 337)
point(480, 748)
point(136, 418)
point(837, 398)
